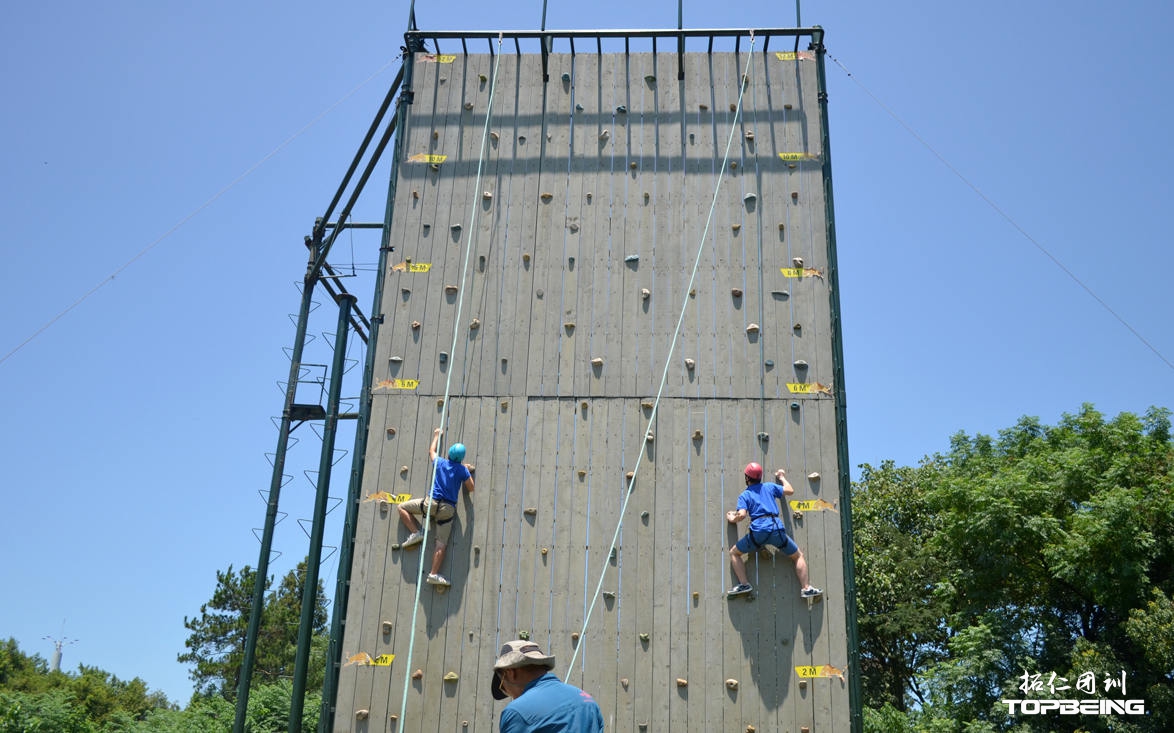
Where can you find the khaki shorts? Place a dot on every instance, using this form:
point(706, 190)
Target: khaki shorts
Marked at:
point(442, 512)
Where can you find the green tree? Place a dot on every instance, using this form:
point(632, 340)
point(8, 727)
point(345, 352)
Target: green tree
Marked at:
point(1049, 549)
point(217, 639)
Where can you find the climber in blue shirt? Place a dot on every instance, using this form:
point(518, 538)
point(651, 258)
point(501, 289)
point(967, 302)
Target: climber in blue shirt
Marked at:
point(760, 502)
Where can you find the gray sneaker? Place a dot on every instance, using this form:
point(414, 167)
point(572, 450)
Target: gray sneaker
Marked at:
point(740, 589)
point(811, 592)
point(437, 579)
point(413, 539)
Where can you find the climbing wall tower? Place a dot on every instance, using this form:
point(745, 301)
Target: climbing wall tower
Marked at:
point(611, 274)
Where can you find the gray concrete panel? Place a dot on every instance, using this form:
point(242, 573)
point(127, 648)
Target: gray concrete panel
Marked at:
point(559, 254)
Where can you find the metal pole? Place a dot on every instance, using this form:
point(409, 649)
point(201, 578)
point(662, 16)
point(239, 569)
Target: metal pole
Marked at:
point(295, 365)
point(855, 697)
point(310, 589)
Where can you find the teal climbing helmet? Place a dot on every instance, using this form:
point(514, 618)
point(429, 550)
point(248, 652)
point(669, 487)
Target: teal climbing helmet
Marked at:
point(456, 452)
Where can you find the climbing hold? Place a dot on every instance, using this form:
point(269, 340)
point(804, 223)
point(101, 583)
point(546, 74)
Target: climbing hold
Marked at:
point(415, 325)
point(609, 594)
point(813, 476)
point(644, 515)
point(794, 195)
point(569, 326)
point(390, 432)
point(624, 682)
point(745, 78)
point(566, 77)
point(736, 292)
point(468, 105)
point(476, 550)
point(696, 596)
point(362, 714)
point(629, 475)
point(418, 674)
point(689, 364)
point(802, 684)
point(440, 402)
point(697, 434)
point(583, 405)
point(597, 362)
point(603, 136)
point(546, 196)
point(750, 198)
point(455, 227)
point(570, 262)
point(650, 437)
point(427, 228)
point(387, 626)
point(582, 473)
point(415, 194)
point(435, 134)
point(733, 165)
point(733, 107)
point(505, 405)
point(645, 293)
point(644, 637)
point(787, 106)
point(703, 107)
point(494, 136)
point(435, 166)
point(521, 139)
point(451, 677)
point(475, 324)
point(732, 683)
point(396, 359)
point(574, 228)
point(650, 78)
point(464, 724)
point(646, 197)
point(526, 257)
point(764, 437)
point(578, 108)
point(736, 227)
point(588, 197)
point(524, 635)
point(782, 226)
point(621, 110)
point(682, 682)
point(443, 358)
point(632, 258)
point(544, 550)
point(646, 404)
point(483, 78)
point(487, 195)
point(530, 511)
point(632, 165)
point(403, 469)
point(800, 364)
point(752, 328)
point(749, 729)
point(693, 293)
point(574, 636)
point(794, 405)
point(797, 261)
point(750, 135)
point(504, 361)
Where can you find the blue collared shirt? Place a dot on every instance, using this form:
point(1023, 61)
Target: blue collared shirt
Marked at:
point(550, 706)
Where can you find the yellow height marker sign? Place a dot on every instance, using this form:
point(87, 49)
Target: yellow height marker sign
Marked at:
point(390, 498)
point(439, 58)
point(396, 384)
point(794, 56)
point(797, 156)
point(811, 505)
point(801, 272)
point(411, 267)
point(383, 660)
point(809, 388)
point(427, 158)
point(363, 659)
point(823, 670)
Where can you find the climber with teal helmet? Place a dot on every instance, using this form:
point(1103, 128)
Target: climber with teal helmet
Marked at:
point(449, 475)
point(759, 502)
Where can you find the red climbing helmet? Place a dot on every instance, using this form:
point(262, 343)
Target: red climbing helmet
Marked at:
point(753, 471)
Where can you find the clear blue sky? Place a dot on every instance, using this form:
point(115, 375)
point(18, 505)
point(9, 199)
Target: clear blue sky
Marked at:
point(136, 426)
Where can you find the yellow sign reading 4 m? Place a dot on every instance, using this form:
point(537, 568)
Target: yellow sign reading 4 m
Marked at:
point(383, 660)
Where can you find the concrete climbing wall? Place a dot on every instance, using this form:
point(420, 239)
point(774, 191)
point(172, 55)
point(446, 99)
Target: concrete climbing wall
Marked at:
point(580, 241)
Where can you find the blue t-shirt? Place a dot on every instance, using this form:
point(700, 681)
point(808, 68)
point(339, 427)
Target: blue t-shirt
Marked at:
point(550, 706)
point(759, 502)
point(449, 477)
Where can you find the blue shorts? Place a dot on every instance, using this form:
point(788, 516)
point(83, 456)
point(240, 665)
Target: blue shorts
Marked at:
point(754, 541)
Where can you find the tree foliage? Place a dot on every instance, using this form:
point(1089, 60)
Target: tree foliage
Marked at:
point(1044, 550)
point(216, 643)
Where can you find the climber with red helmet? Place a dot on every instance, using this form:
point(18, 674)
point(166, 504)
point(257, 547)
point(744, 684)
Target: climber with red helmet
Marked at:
point(449, 475)
point(759, 501)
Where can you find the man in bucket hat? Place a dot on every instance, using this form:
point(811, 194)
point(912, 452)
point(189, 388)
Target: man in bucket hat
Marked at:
point(542, 704)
